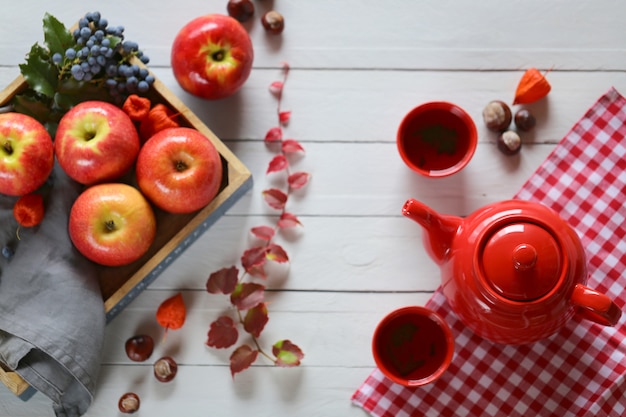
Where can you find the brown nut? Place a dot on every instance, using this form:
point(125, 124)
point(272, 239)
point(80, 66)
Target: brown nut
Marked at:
point(509, 142)
point(139, 347)
point(273, 22)
point(497, 115)
point(165, 369)
point(128, 403)
point(242, 10)
point(524, 120)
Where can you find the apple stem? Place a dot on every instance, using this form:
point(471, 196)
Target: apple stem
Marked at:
point(109, 225)
point(218, 55)
point(7, 147)
point(180, 166)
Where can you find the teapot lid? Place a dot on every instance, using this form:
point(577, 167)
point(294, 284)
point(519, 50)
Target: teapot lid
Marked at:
point(521, 261)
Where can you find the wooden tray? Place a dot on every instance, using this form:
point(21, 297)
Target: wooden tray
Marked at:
point(175, 232)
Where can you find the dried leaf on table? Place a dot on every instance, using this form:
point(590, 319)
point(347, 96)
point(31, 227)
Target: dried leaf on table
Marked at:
point(287, 354)
point(222, 333)
point(223, 281)
point(255, 320)
point(242, 358)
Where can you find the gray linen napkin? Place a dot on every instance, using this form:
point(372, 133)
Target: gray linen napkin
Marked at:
point(51, 311)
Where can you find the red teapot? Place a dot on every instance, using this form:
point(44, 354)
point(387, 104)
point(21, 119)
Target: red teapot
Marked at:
point(514, 272)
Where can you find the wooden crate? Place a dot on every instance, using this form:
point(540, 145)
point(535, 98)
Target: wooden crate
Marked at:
point(175, 232)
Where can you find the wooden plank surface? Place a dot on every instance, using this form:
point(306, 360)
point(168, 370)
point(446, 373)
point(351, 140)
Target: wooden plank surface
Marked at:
point(357, 68)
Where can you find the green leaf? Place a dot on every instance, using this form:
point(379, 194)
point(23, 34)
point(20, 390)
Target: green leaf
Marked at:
point(57, 38)
point(32, 106)
point(39, 74)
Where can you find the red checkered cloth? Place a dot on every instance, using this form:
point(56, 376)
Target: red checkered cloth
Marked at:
point(581, 370)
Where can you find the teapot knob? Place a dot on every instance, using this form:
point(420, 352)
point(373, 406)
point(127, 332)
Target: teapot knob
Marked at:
point(524, 257)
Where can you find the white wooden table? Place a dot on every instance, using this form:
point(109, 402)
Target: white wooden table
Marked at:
point(357, 67)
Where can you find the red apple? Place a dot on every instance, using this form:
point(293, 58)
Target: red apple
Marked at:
point(112, 224)
point(96, 142)
point(212, 56)
point(179, 170)
point(26, 154)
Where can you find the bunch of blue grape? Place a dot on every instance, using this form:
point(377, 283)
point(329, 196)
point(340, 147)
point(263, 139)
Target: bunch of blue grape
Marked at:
point(102, 55)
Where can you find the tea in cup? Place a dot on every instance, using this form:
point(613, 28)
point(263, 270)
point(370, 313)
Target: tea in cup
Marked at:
point(413, 346)
point(437, 139)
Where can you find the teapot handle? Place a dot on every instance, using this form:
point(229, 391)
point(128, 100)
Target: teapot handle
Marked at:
point(595, 306)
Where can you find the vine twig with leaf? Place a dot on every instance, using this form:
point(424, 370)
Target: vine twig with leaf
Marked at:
point(246, 289)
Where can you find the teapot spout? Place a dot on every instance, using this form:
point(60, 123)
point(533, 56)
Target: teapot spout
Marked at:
point(440, 229)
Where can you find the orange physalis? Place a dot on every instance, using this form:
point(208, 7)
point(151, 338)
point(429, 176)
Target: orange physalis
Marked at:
point(136, 107)
point(159, 117)
point(171, 313)
point(28, 210)
point(532, 87)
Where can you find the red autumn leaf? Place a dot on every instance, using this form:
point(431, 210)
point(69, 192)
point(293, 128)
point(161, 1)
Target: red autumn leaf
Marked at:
point(276, 88)
point(298, 179)
point(278, 163)
point(284, 117)
point(274, 134)
point(253, 257)
point(255, 319)
point(288, 220)
point(247, 295)
point(242, 358)
point(285, 68)
point(222, 333)
point(291, 146)
point(223, 281)
point(287, 354)
point(276, 253)
point(172, 312)
point(263, 232)
point(258, 271)
point(275, 198)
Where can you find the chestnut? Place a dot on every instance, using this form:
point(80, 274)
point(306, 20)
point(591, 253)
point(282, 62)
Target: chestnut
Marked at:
point(509, 142)
point(139, 347)
point(165, 369)
point(242, 10)
point(524, 120)
point(497, 115)
point(273, 22)
point(128, 403)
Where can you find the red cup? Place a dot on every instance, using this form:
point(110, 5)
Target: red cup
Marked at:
point(413, 346)
point(437, 139)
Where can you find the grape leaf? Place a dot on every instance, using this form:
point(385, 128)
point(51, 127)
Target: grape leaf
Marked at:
point(298, 179)
point(275, 198)
point(242, 358)
point(247, 295)
point(276, 88)
point(56, 36)
point(263, 232)
point(255, 319)
point(284, 117)
point(287, 354)
point(222, 333)
point(292, 145)
point(274, 134)
point(276, 253)
point(288, 220)
point(278, 163)
point(39, 74)
point(253, 258)
point(223, 281)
